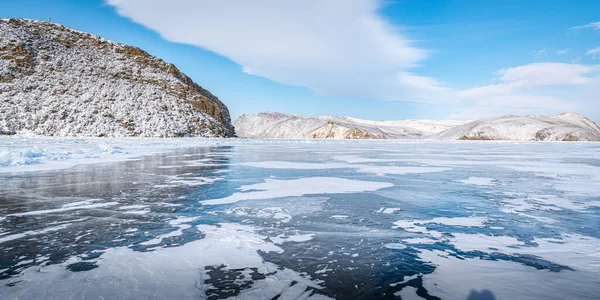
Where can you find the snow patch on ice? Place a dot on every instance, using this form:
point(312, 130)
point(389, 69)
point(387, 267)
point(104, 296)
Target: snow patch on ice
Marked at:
point(395, 246)
point(408, 293)
point(169, 273)
point(388, 210)
point(68, 207)
point(299, 187)
point(12, 237)
point(478, 181)
point(458, 278)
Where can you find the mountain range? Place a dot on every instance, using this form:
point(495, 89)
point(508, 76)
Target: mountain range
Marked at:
point(561, 127)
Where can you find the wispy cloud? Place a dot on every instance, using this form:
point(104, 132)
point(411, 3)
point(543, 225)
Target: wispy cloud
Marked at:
point(334, 47)
point(593, 25)
point(538, 88)
point(545, 51)
point(534, 75)
point(595, 53)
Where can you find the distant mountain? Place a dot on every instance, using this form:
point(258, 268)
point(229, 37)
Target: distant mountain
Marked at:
point(61, 82)
point(278, 125)
point(561, 127)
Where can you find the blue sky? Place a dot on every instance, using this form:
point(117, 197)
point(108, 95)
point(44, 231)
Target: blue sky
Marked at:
point(371, 59)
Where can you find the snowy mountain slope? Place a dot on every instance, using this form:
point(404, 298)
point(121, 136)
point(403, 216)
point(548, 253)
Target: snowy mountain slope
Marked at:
point(561, 127)
point(278, 125)
point(61, 82)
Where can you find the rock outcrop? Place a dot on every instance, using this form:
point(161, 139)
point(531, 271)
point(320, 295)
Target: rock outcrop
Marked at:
point(61, 82)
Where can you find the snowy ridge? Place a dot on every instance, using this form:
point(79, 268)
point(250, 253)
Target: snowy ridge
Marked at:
point(61, 82)
point(561, 127)
point(278, 125)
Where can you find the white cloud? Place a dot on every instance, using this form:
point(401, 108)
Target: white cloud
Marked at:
point(541, 74)
point(539, 88)
point(562, 51)
point(593, 25)
point(334, 47)
point(594, 52)
point(534, 75)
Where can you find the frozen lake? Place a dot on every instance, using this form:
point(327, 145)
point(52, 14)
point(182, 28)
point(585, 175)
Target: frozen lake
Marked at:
point(298, 219)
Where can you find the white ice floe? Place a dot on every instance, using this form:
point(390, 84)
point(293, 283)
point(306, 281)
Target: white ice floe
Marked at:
point(420, 241)
point(405, 279)
point(388, 210)
point(395, 246)
point(378, 170)
point(339, 217)
point(297, 238)
point(408, 293)
point(357, 159)
point(295, 165)
point(572, 250)
point(168, 273)
point(478, 181)
point(278, 213)
point(419, 226)
point(135, 206)
point(461, 278)
point(299, 187)
point(397, 170)
point(67, 207)
point(16, 236)
point(181, 226)
point(187, 180)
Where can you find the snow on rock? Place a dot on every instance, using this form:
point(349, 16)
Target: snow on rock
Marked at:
point(561, 127)
point(278, 125)
point(60, 82)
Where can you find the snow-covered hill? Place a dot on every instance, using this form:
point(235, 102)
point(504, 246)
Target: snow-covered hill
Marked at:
point(61, 82)
point(278, 125)
point(561, 127)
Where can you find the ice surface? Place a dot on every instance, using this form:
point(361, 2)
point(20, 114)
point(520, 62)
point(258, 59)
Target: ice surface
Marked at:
point(378, 170)
point(299, 187)
point(301, 220)
point(458, 278)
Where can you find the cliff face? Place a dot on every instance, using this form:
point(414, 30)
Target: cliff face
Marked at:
point(61, 82)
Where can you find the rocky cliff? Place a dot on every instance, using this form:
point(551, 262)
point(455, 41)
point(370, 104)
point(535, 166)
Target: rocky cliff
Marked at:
point(61, 82)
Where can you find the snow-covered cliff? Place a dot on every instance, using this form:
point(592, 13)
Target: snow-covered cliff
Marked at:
point(278, 125)
point(62, 82)
point(561, 127)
